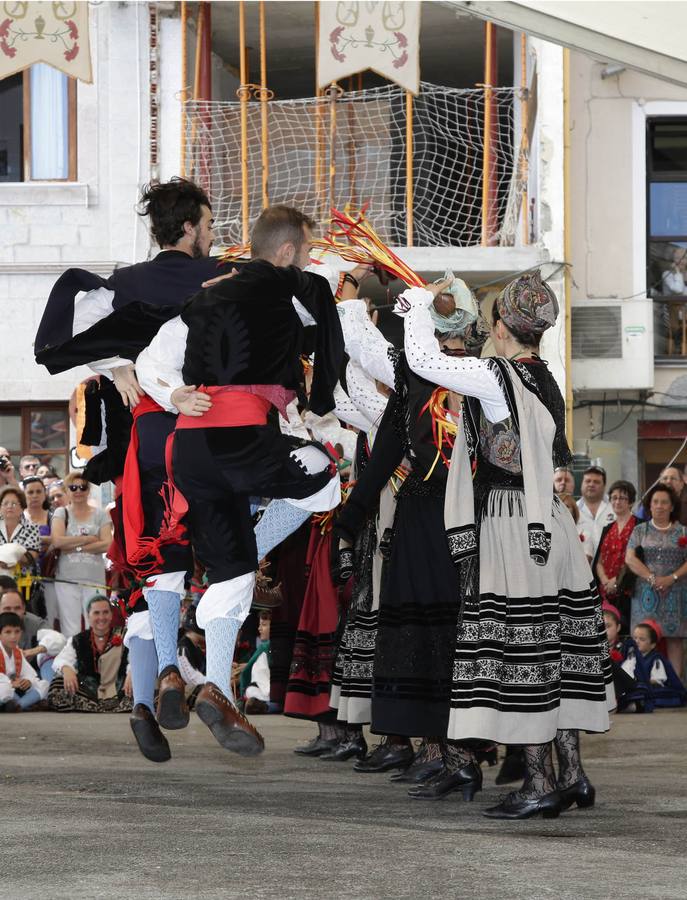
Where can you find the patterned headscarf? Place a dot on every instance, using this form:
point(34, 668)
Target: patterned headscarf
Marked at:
point(476, 335)
point(465, 313)
point(528, 305)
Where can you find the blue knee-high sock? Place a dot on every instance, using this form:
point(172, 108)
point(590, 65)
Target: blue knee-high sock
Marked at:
point(220, 640)
point(164, 609)
point(279, 520)
point(143, 671)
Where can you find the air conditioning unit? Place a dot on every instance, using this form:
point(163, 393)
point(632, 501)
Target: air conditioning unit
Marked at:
point(613, 344)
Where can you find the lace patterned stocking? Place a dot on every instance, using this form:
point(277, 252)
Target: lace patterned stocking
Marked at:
point(457, 756)
point(567, 745)
point(353, 732)
point(540, 778)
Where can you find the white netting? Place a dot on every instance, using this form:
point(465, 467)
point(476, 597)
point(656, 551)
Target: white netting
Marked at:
point(369, 158)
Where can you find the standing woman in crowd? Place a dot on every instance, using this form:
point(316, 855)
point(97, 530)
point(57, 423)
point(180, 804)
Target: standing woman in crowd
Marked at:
point(57, 495)
point(81, 534)
point(38, 509)
point(610, 554)
point(531, 665)
point(15, 528)
point(661, 566)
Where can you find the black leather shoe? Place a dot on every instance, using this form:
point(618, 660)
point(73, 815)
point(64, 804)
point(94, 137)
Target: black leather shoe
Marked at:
point(489, 756)
point(385, 757)
point(417, 773)
point(346, 750)
point(512, 768)
point(549, 806)
point(582, 792)
point(468, 780)
point(316, 746)
point(151, 741)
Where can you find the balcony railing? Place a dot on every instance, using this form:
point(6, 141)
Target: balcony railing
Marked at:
point(467, 181)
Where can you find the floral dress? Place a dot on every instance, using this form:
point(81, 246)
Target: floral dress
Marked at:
point(662, 552)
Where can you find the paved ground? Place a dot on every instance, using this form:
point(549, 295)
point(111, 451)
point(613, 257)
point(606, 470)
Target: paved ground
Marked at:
point(84, 816)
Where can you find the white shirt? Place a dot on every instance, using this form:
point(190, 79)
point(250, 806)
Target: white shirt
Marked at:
point(27, 671)
point(596, 524)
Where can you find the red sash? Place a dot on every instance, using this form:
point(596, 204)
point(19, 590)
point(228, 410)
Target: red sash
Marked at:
point(18, 662)
point(230, 409)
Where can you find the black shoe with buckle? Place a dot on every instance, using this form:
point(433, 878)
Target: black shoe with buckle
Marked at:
point(385, 757)
point(467, 780)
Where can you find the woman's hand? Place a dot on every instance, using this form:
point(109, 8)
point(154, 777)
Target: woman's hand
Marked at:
point(128, 685)
point(71, 682)
point(663, 583)
point(611, 586)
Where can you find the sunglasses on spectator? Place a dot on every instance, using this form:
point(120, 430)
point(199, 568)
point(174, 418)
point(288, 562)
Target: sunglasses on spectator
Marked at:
point(79, 487)
point(30, 465)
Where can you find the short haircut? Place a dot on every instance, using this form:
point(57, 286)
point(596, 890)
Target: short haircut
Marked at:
point(275, 226)
point(29, 456)
point(666, 489)
point(10, 620)
point(169, 205)
point(623, 487)
point(18, 493)
point(97, 598)
point(7, 584)
point(14, 590)
point(74, 476)
point(595, 470)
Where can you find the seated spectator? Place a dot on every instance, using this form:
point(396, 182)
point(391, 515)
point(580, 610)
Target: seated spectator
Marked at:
point(82, 535)
point(191, 654)
point(657, 554)
point(595, 510)
point(91, 670)
point(255, 677)
point(585, 533)
point(657, 685)
point(563, 481)
point(57, 495)
point(613, 623)
point(614, 579)
point(20, 687)
point(20, 540)
point(39, 643)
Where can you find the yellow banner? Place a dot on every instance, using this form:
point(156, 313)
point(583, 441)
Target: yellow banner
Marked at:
point(42, 32)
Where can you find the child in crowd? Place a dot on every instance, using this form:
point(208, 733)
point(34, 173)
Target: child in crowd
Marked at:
point(623, 682)
point(657, 684)
point(20, 686)
point(255, 677)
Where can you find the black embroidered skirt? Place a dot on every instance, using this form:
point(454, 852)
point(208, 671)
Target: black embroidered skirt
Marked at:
point(417, 621)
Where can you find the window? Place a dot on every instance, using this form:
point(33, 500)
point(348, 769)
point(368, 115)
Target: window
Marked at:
point(667, 232)
point(41, 430)
point(38, 112)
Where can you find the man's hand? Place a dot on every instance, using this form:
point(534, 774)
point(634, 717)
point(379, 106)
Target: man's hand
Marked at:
point(125, 381)
point(191, 402)
point(71, 682)
point(21, 684)
point(34, 651)
point(211, 281)
point(128, 685)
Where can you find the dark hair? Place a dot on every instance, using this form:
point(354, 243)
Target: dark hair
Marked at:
point(275, 226)
point(595, 470)
point(652, 631)
point(13, 590)
point(527, 339)
point(265, 615)
point(10, 619)
point(18, 493)
point(169, 205)
point(7, 584)
point(625, 487)
point(33, 479)
point(674, 499)
point(97, 598)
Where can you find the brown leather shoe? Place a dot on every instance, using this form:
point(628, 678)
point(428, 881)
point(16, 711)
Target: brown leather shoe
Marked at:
point(232, 730)
point(172, 710)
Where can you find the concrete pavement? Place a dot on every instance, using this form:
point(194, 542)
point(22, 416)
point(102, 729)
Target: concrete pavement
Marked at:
point(83, 815)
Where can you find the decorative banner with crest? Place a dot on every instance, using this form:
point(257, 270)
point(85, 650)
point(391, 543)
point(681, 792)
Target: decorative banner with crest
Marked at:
point(52, 33)
point(384, 37)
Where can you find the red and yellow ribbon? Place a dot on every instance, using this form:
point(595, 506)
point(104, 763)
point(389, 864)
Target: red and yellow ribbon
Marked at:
point(444, 429)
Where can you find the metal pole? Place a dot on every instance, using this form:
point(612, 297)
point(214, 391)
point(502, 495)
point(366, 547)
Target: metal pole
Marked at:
point(488, 209)
point(333, 91)
point(319, 137)
point(243, 93)
point(524, 136)
point(409, 169)
point(263, 109)
point(184, 86)
point(567, 247)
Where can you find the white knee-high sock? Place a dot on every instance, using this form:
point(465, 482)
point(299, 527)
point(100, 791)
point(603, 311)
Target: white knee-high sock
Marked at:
point(279, 520)
point(220, 641)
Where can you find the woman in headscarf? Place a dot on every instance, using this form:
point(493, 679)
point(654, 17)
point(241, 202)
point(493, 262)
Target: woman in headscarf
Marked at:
point(531, 665)
point(418, 605)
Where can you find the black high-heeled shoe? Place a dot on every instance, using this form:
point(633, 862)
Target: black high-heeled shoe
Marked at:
point(417, 773)
point(467, 780)
point(582, 792)
point(510, 807)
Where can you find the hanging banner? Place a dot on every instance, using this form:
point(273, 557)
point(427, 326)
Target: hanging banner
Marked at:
point(42, 32)
point(384, 37)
